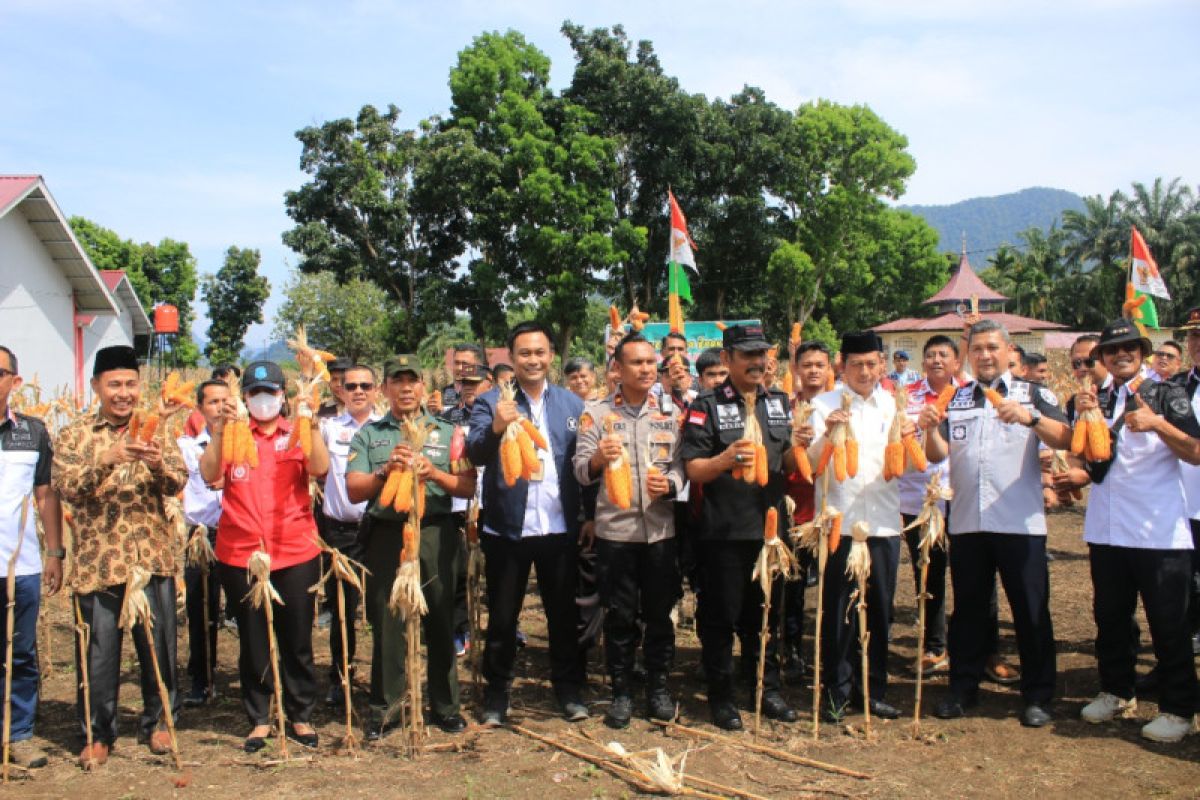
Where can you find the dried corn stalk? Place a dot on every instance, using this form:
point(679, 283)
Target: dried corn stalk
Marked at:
point(931, 522)
point(262, 595)
point(774, 559)
point(135, 609)
point(344, 570)
point(858, 567)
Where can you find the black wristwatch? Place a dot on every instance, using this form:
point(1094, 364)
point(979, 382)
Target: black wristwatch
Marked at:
point(1035, 417)
point(381, 473)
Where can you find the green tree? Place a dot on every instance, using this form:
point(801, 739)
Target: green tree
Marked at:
point(837, 164)
point(348, 317)
point(357, 218)
point(235, 297)
point(541, 216)
point(162, 273)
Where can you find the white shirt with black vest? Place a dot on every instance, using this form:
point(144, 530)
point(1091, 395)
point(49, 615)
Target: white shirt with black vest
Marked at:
point(25, 459)
point(994, 467)
point(1140, 501)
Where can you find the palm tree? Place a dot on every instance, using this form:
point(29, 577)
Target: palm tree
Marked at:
point(1096, 235)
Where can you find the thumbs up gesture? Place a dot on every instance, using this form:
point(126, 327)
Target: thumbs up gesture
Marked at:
point(1139, 418)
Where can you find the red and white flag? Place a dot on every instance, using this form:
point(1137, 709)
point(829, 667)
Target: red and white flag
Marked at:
point(1143, 272)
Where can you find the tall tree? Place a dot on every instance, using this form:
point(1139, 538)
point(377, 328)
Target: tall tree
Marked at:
point(541, 217)
point(162, 273)
point(235, 297)
point(346, 317)
point(356, 217)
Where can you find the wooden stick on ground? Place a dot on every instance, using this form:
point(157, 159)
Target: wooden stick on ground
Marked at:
point(822, 559)
point(83, 639)
point(10, 586)
point(136, 609)
point(630, 776)
point(782, 755)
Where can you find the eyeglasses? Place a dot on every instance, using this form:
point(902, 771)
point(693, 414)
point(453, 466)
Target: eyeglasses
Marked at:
point(1076, 363)
point(354, 387)
point(1165, 354)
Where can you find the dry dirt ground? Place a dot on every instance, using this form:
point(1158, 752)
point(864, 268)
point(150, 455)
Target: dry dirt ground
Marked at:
point(986, 754)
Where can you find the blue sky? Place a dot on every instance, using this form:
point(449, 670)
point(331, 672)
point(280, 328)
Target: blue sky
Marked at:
point(161, 118)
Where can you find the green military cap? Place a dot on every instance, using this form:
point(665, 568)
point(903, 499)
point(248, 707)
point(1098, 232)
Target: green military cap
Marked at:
point(405, 362)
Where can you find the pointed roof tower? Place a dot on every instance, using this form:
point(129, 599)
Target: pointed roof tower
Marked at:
point(964, 284)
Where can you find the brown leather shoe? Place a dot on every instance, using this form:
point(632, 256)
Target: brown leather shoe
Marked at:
point(160, 743)
point(94, 756)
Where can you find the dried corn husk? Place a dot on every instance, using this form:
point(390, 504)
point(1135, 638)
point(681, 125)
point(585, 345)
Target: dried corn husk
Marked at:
point(858, 563)
point(659, 770)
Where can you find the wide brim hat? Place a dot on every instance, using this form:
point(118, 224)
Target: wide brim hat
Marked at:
point(1123, 331)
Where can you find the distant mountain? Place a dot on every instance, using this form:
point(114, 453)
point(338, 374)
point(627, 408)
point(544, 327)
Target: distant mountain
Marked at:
point(989, 222)
point(276, 351)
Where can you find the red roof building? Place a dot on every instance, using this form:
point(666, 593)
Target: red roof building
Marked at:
point(953, 301)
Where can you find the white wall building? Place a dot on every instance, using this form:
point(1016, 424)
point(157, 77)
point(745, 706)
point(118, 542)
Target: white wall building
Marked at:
point(56, 309)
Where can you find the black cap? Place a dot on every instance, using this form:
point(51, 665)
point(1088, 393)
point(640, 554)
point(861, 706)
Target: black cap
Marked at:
point(262, 374)
point(858, 342)
point(1121, 331)
point(405, 362)
point(476, 373)
point(340, 365)
point(116, 357)
point(744, 337)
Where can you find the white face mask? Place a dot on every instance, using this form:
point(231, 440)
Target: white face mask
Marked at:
point(264, 406)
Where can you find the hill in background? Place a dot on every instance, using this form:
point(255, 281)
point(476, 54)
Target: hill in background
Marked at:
point(989, 222)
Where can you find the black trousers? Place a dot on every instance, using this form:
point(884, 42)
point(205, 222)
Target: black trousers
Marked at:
point(730, 601)
point(935, 585)
point(975, 558)
point(789, 595)
point(506, 568)
point(1194, 583)
point(841, 656)
point(1163, 579)
point(343, 537)
point(198, 656)
point(638, 580)
point(462, 625)
point(101, 611)
point(293, 632)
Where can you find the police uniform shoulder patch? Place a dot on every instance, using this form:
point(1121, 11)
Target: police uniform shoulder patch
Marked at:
point(572, 424)
point(696, 417)
point(1180, 406)
point(1047, 396)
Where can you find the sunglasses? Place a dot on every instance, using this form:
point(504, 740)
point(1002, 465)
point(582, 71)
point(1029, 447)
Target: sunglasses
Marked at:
point(354, 387)
point(1167, 354)
point(1076, 363)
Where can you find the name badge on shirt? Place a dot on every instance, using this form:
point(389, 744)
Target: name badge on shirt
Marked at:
point(240, 474)
point(728, 417)
point(963, 398)
point(540, 473)
point(775, 410)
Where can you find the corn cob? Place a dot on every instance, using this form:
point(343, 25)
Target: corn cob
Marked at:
point(944, 397)
point(510, 460)
point(915, 453)
point(794, 340)
point(826, 456)
point(1079, 436)
point(851, 457)
point(992, 396)
point(761, 475)
point(618, 476)
point(408, 550)
point(830, 381)
point(388, 494)
point(788, 383)
point(1098, 437)
point(227, 442)
point(149, 425)
point(135, 424)
point(534, 434)
point(771, 525)
point(529, 457)
point(800, 417)
point(614, 319)
point(403, 501)
point(835, 533)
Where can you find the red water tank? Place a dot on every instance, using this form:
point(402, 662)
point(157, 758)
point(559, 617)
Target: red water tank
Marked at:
point(166, 319)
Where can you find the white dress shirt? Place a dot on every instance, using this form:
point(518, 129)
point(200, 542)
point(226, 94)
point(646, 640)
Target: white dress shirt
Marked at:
point(543, 504)
point(338, 432)
point(201, 505)
point(867, 496)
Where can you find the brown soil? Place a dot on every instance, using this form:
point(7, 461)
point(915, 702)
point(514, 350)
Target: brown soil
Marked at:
point(988, 753)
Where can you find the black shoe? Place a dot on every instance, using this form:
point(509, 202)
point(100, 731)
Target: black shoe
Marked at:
point(303, 739)
point(620, 711)
point(725, 715)
point(1036, 716)
point(952, 707)
point(573, 709)
point(794, 668)
point(883, 710)
point(774, 707)
point(451, 724)
point(377, 729)
point(1145, 684)
point(495, 709)
point(659, 703)
point(253, 744)
point(197, 697)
